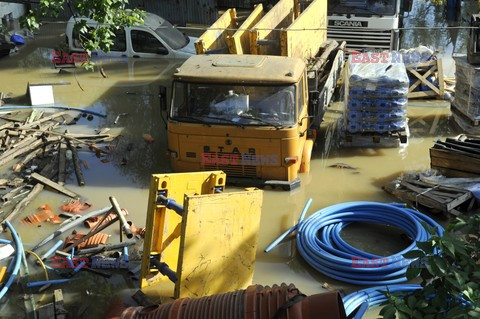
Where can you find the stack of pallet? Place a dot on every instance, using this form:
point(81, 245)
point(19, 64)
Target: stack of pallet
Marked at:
point(466, 105)
point(457, 157)
point(375, 99)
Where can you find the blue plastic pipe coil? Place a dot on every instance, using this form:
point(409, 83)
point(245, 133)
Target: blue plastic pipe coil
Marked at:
point(320, 244)
point(372, 297)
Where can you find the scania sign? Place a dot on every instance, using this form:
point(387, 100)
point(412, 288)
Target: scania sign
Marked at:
point(347, 23)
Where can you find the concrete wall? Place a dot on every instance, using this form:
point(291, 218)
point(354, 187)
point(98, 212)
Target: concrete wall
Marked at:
point(16, 9)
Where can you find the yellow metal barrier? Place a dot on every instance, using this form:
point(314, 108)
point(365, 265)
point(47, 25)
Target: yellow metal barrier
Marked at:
point(211, 246)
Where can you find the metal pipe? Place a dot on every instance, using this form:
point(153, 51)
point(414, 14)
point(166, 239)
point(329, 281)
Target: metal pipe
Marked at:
point(123, 221)
point(170, 204)
point(96, 250)
point(70, 225)
point(51, 251)
point(60, 107)
point(33, 284)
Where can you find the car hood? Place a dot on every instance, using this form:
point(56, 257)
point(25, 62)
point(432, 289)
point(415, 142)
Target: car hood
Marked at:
point(190, 47)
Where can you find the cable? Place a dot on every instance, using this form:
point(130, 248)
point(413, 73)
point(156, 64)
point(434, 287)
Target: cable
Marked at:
point(16, 261)
point(372, 297)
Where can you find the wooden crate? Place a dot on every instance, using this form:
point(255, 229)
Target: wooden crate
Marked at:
point(456, 158)
point(421, 71)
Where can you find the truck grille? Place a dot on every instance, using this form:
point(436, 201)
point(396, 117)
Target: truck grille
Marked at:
point(361, 39)
point(232, 170)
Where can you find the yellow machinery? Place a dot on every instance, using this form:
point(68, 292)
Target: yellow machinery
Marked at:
point(203, 247)
point(250, 102)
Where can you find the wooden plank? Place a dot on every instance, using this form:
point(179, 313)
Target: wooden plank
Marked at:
point(280, 16)
point(306, 44)
point(459, 200)
point(440, 78)
point(215, 39)
point(239, 42)
point(62, 163)
point(453, 172)
point(55, 186)
point(455, 155)
point(457, 165)
point(421, 94)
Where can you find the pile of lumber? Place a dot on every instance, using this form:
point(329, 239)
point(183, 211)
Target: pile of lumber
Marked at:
point(430, 197)
point(33, 149)
point(456, 157)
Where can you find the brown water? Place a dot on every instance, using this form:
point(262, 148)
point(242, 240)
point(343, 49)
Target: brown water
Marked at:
point(132, 88)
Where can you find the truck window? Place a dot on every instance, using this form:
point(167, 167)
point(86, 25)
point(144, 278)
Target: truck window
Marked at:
point(301, 90)
point(238, 104)
point(362, 7)
point(145, 42)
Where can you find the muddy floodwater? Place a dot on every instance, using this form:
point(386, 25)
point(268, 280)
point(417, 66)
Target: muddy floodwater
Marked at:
point(133, 87)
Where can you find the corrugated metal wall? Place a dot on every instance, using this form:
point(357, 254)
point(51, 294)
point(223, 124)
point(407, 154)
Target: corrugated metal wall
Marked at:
point(177, 12)
point(235, 4)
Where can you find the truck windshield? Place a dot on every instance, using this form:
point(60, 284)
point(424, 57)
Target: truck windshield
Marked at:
point(362, 7)
point(174, 38)
point(235, 104)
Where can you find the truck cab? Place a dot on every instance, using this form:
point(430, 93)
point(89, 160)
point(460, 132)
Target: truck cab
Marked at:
point(246, 115)
point(367, 24)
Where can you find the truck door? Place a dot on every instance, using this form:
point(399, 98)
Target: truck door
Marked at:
point(147, 45)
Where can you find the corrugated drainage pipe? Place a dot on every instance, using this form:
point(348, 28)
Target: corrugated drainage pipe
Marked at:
point(255, 302)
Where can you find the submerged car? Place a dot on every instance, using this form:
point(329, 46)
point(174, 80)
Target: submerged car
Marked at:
point(156, 38)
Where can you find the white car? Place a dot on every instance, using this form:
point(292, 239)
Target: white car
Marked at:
point(157, 38)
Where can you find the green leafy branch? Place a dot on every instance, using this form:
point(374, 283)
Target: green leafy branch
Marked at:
point(450, 279)
point(110, 15)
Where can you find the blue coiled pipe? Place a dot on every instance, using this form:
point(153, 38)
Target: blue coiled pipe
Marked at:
point(372, 297)
point(16, 261)
point(320, 244)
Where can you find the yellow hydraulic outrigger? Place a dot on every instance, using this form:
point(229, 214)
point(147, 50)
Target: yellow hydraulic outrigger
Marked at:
point(205, 246)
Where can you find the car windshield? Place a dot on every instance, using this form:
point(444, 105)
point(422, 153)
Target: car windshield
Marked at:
point(234, 104)
point(362, 7)
point(174, 38)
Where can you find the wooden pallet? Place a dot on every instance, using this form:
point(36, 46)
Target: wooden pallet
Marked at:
point(432, 197)
point(372, 139)
point(421, 71)
point(465, 117)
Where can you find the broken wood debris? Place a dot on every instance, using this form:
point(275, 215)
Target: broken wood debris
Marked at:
point(456, 157)
point(31, 143)
point(431, 197)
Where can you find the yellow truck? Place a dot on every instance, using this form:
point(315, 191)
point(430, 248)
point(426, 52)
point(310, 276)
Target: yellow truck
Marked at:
point(250, 101)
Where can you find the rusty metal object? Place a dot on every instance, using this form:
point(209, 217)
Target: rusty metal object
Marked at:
point(94, 241)
point(255, 302)
point(92, 222)
point(44, 214)
point(75, 206)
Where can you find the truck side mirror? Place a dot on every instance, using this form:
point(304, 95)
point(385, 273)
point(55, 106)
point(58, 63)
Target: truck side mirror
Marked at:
point(162, 94)
point(407, 5)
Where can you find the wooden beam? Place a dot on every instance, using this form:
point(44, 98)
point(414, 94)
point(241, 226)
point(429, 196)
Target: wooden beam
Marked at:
point(59, 188)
